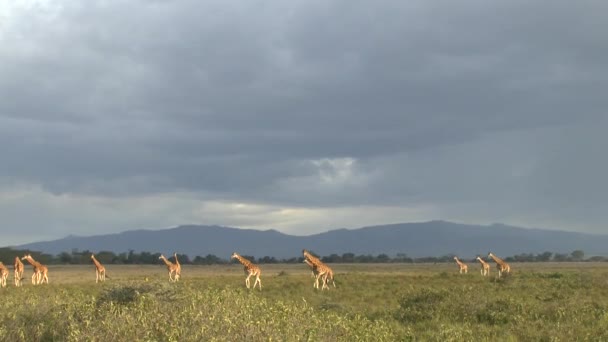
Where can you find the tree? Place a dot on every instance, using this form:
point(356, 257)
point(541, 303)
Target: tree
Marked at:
point(105, 257)
point(348, 257)
point(382, 258)
point(577, 255)
point(65, 258)
point(332, 258)
point(546, 256)
point(267, 260)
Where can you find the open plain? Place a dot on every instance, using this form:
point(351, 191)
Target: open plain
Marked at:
point(371, 302)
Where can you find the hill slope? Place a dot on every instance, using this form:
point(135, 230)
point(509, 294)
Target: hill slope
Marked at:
point(432, 238)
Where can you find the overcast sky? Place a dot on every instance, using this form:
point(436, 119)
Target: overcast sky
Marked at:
point(302, 116)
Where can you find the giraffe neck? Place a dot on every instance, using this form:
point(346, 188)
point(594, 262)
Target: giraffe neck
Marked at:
point(243, 261)
point(497, 259)
point(32, 261)
point(312, 258)
point(176, 261)
point(97, 264)
point(167, 262)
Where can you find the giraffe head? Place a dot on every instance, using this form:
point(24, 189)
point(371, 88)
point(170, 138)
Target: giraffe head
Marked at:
point(161, 257)
point(27, 256)
point(92, 256)
point(455, 258)
point(490, 254)
point(234, 256)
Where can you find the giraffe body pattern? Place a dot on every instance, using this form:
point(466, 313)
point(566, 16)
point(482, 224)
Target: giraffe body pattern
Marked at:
point(501, 265)
point(485, 267)
point(463, 268)
point(250, 270)
point(41, 272)
point(3, 274)
point(321, 270)
point(172, 268)
point(178, 268)
point(100, 270)
point(18, 269)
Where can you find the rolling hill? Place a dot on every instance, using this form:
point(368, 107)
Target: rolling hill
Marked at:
point(432, 238)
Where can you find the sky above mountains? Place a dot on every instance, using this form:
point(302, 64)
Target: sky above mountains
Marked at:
point(302, 116)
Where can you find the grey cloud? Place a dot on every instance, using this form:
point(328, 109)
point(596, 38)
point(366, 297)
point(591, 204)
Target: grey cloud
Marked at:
point(435, 102)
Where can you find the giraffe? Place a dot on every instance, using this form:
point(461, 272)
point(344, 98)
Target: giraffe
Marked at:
point(100, 271)
point(462, 266)
point(250, 269)
point(41, 272)
point(328, 276)
point(313, 268)
point(323, 271)
point(485, 267)
point(500, 264)
point(171, 267)
point(3, 274)
point(178, 270)
point(18, 271)
point(313, 259)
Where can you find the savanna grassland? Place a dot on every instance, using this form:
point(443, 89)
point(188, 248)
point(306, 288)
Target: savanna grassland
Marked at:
point(387, 302)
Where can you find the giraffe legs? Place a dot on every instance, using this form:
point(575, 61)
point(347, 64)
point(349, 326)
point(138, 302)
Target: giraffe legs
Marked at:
point(247, 281)
point(324, 281)
point(100, 276)
point(323, 276)
point(257, 281)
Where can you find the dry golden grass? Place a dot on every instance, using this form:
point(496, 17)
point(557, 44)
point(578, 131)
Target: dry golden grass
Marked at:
point(372, 302)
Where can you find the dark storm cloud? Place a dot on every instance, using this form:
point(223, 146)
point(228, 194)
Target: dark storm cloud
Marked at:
point(313, 103)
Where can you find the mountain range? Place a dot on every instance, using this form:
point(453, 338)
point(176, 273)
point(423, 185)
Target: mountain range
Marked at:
point(433, 238)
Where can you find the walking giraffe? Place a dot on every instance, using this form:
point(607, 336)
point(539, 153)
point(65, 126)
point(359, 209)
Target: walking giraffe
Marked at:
point(485, 267)
point(501, 265)
point(171, 267)
point(463, 268)
point(100, 271)
point(178, 270)
point(250, 270)
point(323, 271)
point(18, 271)
point(313, 268)
point(3, 274)
point(41, 272)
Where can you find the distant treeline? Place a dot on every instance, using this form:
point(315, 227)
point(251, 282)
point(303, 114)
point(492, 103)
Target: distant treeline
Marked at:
point(76, 257)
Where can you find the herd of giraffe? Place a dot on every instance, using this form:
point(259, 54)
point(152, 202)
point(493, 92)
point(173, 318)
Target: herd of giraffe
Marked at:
point(320, 271)
point(501, 265)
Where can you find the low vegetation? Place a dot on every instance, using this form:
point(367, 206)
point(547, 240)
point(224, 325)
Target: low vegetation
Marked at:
point(545, 302)
point(77, 257)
